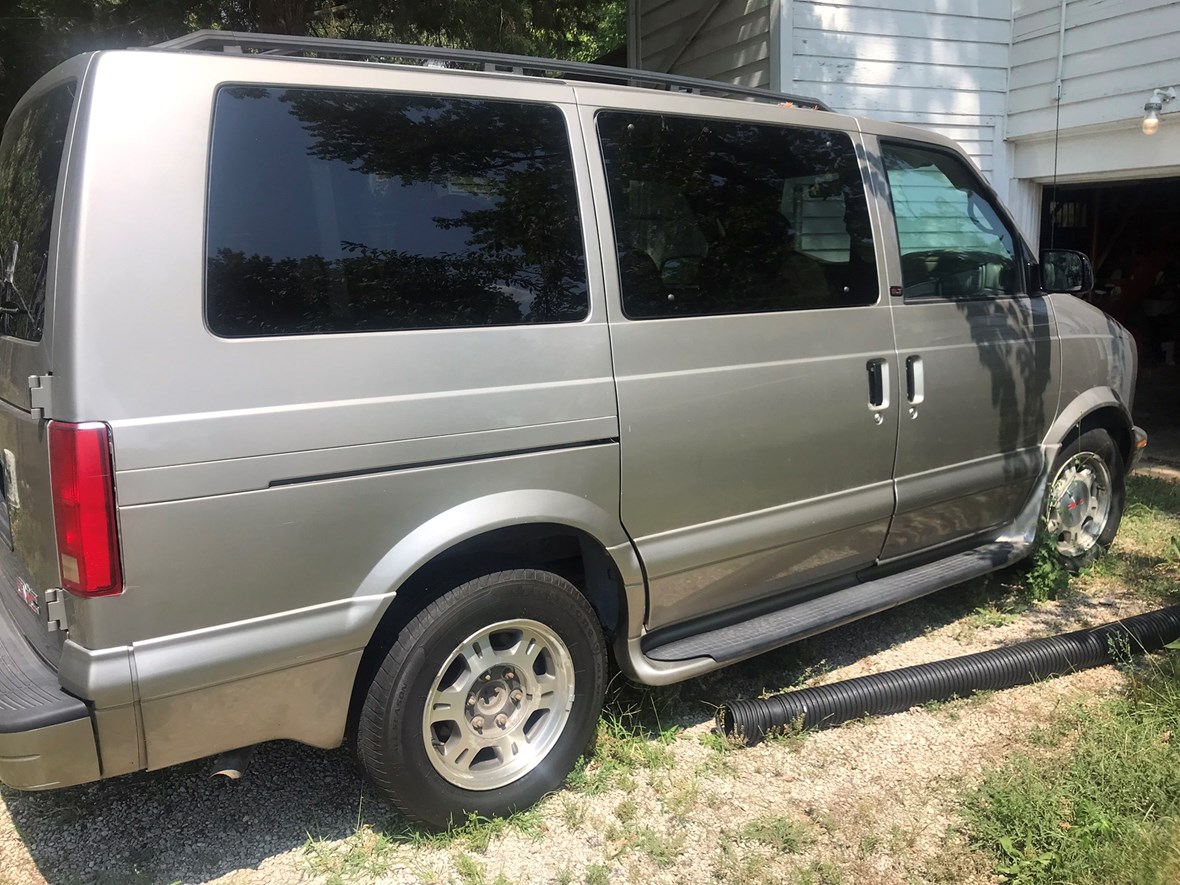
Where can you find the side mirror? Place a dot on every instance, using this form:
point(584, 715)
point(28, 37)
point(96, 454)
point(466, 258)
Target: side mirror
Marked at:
point(1065, 271)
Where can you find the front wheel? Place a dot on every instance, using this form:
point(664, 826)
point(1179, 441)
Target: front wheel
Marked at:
point(486, 700)
point(1084, 505)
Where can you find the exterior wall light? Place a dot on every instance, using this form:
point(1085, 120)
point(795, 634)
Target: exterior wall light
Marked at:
point(1155, 104)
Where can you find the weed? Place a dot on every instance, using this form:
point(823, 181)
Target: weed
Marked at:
point(901, 839)
point(572, 812)
point(1045, 578)
point(597, 874)
point(819, 873)
point(470, 870)
point(989, 615)
point(720, 742)
point(478, 832)
point(624, 744)
point(364, 854)
point(780, 833)
point(869, 843)
point(734, 866)
point(625, 811)
point(663, 850)
point(684, 797)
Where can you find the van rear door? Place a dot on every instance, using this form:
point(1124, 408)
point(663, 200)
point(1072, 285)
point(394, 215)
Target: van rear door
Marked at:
point(32, 156)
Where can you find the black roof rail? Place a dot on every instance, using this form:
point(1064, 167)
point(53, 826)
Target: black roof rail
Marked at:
point(276, 44)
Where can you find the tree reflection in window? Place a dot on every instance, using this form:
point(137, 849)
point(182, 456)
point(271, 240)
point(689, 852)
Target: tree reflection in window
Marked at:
point(339, 211)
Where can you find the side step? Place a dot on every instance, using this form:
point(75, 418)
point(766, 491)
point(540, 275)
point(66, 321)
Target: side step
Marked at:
point(784, 626)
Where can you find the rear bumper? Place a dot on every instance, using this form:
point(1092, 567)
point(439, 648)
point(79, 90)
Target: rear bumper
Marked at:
point(46, 736)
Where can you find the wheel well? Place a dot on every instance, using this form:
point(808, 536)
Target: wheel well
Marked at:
point(1113, 422)
point(568, 552)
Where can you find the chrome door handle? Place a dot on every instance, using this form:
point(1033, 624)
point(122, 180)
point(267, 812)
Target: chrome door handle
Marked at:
point(878, 386)
point(915, 379)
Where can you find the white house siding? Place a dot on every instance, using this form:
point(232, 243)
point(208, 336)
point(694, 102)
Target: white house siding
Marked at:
point(1115, 53)
point(939, 64)
point(726, 40)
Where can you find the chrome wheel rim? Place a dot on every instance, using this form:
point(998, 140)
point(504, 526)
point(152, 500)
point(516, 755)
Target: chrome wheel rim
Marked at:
point(1079, 504)
point(498, 705)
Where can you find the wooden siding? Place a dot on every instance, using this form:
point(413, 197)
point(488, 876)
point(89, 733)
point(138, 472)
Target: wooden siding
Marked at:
point(727, 40)
point(939, 64)
point(1116, 52)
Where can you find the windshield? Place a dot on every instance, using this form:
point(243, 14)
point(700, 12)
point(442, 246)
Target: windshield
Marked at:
point(30, 163)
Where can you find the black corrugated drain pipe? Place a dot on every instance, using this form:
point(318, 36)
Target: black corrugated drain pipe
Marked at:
point(897, 690)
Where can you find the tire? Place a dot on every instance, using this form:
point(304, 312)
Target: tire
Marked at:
point(466, 657)
point(1084, 504)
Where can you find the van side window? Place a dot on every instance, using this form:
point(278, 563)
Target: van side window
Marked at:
point(334, 211)
point(954, 244)
point(30, 164)
point(727, 217)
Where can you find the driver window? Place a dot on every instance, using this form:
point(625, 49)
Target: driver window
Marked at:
point(954, 245)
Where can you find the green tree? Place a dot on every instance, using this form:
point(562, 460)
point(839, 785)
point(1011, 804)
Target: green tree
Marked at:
point(37, 34)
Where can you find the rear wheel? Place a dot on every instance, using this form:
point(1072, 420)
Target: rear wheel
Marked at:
point(486, 700)
point(1085, 502)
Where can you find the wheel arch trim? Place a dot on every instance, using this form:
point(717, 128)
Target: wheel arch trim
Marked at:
point(1098, 407)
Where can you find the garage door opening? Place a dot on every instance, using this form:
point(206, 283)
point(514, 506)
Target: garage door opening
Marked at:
point(1131, 231)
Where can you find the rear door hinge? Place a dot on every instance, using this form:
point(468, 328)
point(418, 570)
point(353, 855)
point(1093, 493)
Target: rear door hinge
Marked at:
point(41, 396)
point(55, 610)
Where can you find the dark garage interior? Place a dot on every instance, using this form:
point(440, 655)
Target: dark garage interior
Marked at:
point(1131, 231)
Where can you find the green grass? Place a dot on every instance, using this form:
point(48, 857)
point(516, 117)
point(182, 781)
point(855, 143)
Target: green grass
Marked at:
point(630, 738)
point(1146, 553)
point(365, 854)
point(1096, 799)
point(1102, 806)
point(370, 851)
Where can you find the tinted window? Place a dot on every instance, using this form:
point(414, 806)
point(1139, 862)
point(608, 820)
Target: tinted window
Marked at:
point(954, 244)
point(30, 164)
point(361, 211)
point(719, 217)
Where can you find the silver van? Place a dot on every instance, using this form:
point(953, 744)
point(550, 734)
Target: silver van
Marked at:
point(380, 402)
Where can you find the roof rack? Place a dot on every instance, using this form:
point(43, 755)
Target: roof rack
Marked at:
point(275, 44)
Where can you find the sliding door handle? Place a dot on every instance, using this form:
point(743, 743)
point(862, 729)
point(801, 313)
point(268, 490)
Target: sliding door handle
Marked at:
point(878, 371)
point(915, 379)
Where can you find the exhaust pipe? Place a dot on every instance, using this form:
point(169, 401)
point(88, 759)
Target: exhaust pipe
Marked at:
point(233, 764)
point(897, 690)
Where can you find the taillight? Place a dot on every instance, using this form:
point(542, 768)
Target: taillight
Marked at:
point(83, 483)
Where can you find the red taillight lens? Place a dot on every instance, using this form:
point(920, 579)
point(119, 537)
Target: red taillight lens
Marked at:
point(84, 508)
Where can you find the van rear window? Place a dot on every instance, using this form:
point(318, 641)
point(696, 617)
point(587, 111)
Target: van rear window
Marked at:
point(333, 211)
point(30, 165)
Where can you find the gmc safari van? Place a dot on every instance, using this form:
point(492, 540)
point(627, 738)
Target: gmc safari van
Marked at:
point(344, 399)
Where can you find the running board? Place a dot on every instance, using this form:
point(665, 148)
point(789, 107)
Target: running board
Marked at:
point(784, 626)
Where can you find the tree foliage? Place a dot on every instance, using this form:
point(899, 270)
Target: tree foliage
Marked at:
point(37, 34)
